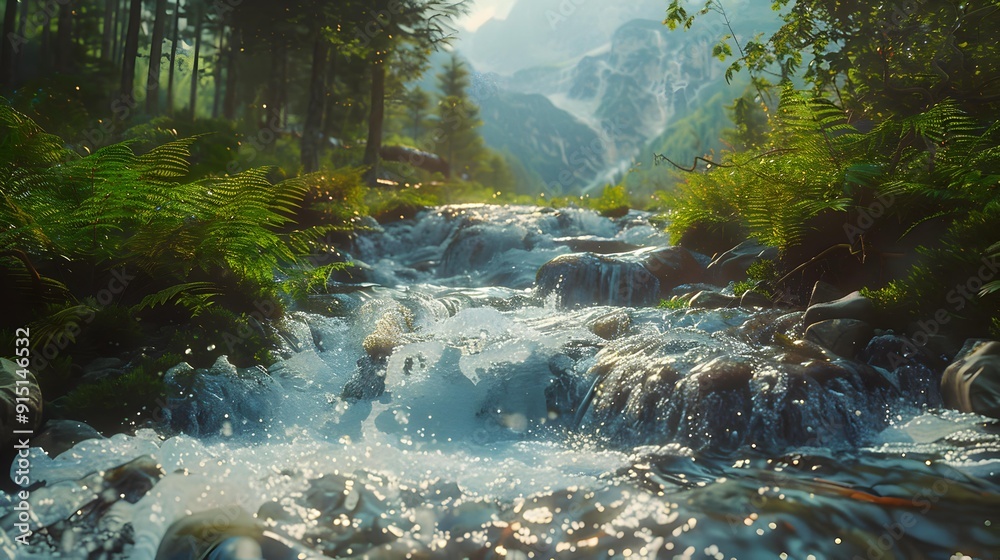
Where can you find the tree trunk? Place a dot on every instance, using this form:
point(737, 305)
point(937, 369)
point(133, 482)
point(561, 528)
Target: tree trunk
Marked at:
point(64, 38)
point(123, 25)
point(173, 57)
point(197, 57)
point(235, 44)
point(45, 57)
point(22, 30)
point(7, 52)
point(217, 71)
point(108, 40)
point(312, 130)
point(375, 121)
point(156, 58)
point(332, 127)
point(131, 51)
point(272, 113)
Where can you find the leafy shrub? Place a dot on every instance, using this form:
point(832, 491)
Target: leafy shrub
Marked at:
point(613, 202)
point(673, 303)
point(776, 191)
point(116, 401)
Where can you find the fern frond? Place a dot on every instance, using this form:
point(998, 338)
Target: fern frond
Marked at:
point(166, 295)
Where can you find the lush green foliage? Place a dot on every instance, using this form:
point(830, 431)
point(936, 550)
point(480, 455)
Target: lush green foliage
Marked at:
point(673, 304)
point(774, 191)
point(898, 134)
point(106, 248)
point(762, 276)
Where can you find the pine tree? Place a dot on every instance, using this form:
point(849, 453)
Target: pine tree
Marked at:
point(416, 103)
point(456, 136)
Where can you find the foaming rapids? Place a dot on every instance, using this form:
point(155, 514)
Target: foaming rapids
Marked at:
point(445, 409)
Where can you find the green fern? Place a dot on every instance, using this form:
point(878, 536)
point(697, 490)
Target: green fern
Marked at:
point(776, 191)
point(193, 296)
point(194, 241)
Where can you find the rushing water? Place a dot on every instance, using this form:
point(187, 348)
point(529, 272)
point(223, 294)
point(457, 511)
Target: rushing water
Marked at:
point(485, 421)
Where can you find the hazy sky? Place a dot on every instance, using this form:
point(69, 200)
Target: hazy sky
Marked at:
point(484, 10)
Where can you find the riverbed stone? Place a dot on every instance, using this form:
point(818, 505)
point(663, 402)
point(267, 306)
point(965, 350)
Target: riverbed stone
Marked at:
point(844, 337)
point(852, 306)
point(58, 435)
point(367, 382)
point(672, 266)
point(890, 351)
point(732, 265)
point(721, 373)
point(713, 300)
point(636, 278)
point(611, 325)
point(388, 333)
point(587, 279)
point(972, 382)
point(226, 533)
point(593, 244)
point(751, 299)
point(823, 292)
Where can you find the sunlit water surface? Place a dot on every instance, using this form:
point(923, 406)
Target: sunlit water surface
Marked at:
point(508, 429)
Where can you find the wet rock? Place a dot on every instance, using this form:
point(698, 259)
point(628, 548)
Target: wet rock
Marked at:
point(611, 325)
point(368, 381)
point(790, 324)
point(825, 293)
point(761, 327)
point(474, 246)
point(10, 391)
point(852, 306)
point(633, 383)
point(636, 278)
point(722, 373)
point(754, 299)
point(972, 382)
point(220, 400)
point(811, 350)
point(690, 290)
point(713, 300)
point(388, 332)
point(844, 337)
point(228, 533)
point(672, 266)
point(889, 351)
point(732, 265)
point(940, 345)
point(133, 480)
point(593, 244)
point(586, 278)
point(58, 436)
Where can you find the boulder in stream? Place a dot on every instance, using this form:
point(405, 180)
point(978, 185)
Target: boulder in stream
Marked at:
point(710, 299)
point(58, 436)
point(852, 306)
point(972, 382)
point(732, 265)
point(844, 337)
point(637, 278)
